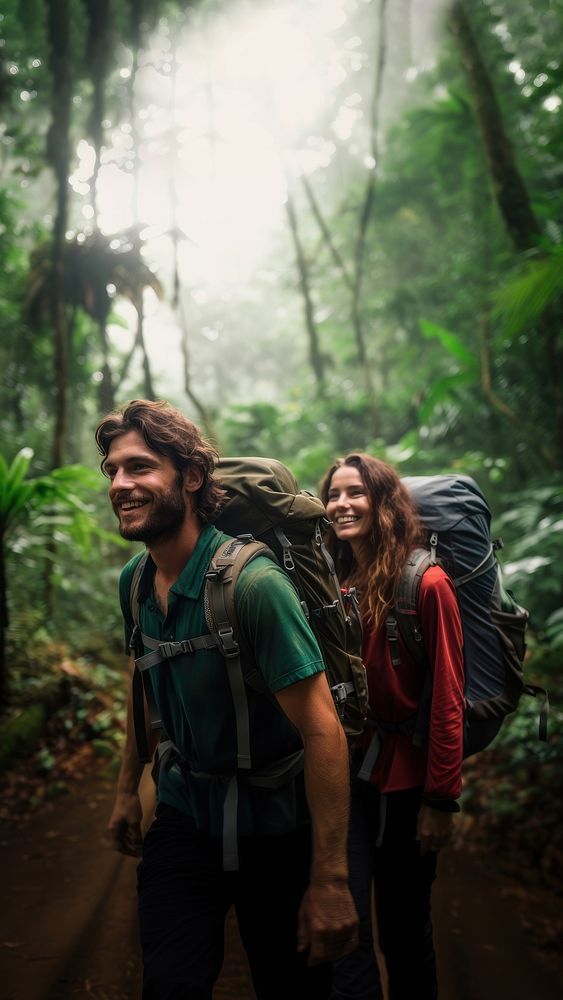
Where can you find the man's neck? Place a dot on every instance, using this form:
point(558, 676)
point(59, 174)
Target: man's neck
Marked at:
point(171, 554)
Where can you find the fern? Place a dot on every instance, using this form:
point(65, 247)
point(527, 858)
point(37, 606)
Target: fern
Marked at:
point(524, 299)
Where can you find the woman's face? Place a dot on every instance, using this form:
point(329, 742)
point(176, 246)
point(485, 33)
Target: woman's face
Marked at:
point(348, 506)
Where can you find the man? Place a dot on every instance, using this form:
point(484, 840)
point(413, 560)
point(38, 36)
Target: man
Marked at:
point(290, 892)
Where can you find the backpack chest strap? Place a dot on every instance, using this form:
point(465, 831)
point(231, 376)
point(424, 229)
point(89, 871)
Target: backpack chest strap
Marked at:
point(168, 650)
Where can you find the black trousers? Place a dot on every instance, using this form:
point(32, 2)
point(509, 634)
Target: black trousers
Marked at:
point(402, 879)
point(184, 897)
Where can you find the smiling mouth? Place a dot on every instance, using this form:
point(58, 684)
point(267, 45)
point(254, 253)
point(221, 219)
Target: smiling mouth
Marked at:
point(350, 519)
point(127, 505)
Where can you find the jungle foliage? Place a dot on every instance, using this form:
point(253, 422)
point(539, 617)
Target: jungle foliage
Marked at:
point(409, 304)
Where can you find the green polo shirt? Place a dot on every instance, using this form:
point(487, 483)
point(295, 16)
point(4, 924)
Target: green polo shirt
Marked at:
point(194, 699)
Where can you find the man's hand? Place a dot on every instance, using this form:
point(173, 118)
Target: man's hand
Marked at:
point(434, 829)
point(328, 923)
point(124, 826)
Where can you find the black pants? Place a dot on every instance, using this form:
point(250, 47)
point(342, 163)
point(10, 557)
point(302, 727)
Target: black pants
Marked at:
point(402, 880)
point(184, 896)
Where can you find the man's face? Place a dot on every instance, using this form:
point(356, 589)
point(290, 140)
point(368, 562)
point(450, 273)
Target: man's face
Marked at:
point(146, 490)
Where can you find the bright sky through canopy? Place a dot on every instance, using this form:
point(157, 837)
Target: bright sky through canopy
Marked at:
point(248, 84)
point(232, 104)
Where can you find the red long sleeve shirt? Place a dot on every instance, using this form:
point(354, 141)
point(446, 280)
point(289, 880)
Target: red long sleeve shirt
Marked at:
point(394, 695)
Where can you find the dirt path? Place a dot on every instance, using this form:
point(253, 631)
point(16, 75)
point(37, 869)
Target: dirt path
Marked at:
point(68, 925)
point(484, 931)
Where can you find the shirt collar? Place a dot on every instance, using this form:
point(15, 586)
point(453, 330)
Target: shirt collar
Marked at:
point(190, 581)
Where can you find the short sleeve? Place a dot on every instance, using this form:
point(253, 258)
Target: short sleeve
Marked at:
point(274, 623)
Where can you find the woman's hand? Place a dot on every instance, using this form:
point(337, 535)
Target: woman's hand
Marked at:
point(434, 828)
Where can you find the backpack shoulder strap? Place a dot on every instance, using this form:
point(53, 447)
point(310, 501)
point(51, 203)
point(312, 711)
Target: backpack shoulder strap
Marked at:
point(134, 599)
point(220, 611)
point(406, 603)
point(406, 621)
point(141, 685)
point(220, 582)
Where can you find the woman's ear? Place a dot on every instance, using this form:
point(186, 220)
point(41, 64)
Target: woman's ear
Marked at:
point(193, 479)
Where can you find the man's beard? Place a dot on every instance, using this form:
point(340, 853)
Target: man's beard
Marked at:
point(166, 517)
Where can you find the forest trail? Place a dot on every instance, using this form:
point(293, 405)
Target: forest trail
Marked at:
point(68, 925)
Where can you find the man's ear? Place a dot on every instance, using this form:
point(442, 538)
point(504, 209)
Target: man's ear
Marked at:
point(193, 479)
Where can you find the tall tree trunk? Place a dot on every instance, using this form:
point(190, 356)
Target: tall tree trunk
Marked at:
point(106, 391)
point(98, 54)
point(58, 151)
point(510, 193)
point(508, 185)
point(202, 411)
point(325, 232)
point(363, 226)
point(127, 363)
point(147, 374)
point(58, 154)
point(137, 11)
point(316, 357)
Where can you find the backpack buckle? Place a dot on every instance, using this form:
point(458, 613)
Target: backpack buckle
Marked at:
point(392, 629)
point(339, 693)
point(134, 637)
point(171, 649)
point(326, 610)
point(227, 643)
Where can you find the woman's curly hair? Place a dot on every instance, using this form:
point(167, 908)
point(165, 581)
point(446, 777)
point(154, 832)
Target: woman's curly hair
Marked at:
point(167, 431)
point(396, 530)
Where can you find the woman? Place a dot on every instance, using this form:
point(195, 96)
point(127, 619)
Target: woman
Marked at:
point(404, 797)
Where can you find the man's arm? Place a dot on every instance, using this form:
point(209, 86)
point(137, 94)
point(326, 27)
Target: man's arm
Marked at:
point(327, 917)
point(124, 825)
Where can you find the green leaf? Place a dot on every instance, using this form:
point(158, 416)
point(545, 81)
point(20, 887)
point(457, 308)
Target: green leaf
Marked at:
point(523, 300)
point(442, 390)
point(451, 342)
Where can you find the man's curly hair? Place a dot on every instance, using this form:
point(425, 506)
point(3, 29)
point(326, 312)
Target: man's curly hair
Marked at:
point(167, 431)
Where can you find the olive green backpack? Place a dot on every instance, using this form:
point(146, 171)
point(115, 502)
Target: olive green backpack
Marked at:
point(266, 503)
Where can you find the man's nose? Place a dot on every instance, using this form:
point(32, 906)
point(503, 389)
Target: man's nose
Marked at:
point(121, 481)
